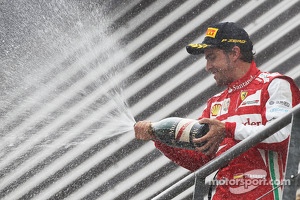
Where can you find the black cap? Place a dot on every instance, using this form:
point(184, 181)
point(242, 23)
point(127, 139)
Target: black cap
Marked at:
point(223, 35)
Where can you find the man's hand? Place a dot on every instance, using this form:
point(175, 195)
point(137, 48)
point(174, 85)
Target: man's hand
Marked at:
point(213, 138)
point(143, 130)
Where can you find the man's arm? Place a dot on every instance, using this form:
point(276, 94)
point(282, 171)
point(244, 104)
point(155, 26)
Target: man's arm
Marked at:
point(189, 159)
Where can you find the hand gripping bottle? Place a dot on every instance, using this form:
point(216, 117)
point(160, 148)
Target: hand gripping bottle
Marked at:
point(179, 132)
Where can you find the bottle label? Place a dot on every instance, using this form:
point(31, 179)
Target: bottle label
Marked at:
point(183, 129)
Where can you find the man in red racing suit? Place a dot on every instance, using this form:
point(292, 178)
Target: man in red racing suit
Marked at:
point(244, 108)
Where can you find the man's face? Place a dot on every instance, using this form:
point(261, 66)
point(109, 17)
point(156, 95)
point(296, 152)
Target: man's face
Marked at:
point(219, 63)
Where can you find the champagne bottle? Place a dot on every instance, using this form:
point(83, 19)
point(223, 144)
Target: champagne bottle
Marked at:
point(179, 132)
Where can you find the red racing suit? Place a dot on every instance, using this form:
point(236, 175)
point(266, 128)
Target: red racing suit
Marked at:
point(246, 106)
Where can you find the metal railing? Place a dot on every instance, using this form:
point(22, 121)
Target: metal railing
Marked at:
point(293, 160)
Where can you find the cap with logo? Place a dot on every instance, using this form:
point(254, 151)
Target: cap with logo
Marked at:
point(223, 35)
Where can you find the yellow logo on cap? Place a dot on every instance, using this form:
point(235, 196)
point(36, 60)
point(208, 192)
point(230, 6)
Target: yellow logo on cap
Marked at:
point(198, 46)
point(234, 41)
point(211, 32)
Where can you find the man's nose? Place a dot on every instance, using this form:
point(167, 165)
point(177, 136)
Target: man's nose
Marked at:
point(208, 66)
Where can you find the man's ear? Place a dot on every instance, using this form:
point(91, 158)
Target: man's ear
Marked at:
point(236, 53)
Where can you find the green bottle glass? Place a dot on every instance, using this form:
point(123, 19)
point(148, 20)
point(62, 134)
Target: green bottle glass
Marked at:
point(179, 132)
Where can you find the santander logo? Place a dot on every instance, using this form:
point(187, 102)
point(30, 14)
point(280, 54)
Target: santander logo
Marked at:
point(252, 123)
